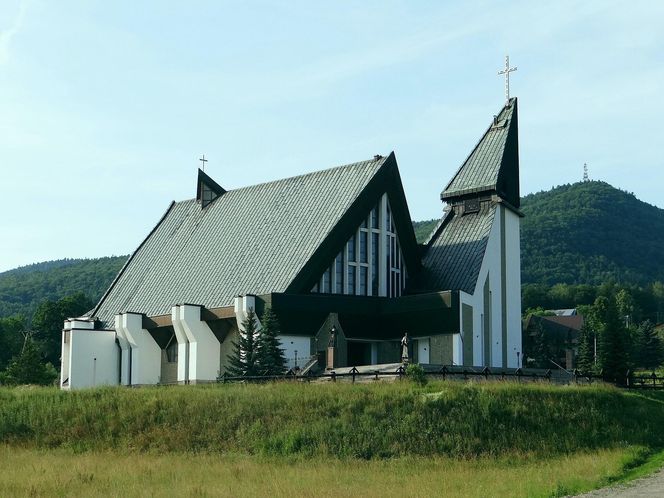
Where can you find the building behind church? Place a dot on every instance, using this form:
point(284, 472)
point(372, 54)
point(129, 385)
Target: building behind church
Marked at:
point(333, 249)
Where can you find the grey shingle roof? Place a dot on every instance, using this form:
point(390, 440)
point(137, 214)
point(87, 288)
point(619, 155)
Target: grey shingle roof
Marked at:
point(481, 171)
point(454, 256)
point(253, 239)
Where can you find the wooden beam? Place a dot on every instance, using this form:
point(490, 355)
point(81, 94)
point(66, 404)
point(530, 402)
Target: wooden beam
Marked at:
point(153, 322)
point(218, 313)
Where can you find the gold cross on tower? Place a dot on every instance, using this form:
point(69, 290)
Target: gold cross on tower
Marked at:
point(507, 72)
point(203, 160)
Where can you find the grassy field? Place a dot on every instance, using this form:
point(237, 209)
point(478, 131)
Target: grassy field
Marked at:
point(52, 473)
point(342, 420)
point(386, 439)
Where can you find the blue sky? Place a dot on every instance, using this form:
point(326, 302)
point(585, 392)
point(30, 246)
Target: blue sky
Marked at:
point(105, 107)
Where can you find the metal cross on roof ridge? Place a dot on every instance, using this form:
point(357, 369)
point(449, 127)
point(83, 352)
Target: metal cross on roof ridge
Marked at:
point(507, 72)
point(203, 160)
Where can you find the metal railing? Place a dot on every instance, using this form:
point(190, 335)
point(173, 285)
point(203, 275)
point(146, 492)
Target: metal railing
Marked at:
point(444, 373)
point(453, 372)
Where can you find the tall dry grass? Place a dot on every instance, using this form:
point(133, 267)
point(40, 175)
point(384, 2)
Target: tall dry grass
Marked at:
point(53, 473)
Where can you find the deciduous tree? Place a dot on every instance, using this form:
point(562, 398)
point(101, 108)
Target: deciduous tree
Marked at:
point(28, 367)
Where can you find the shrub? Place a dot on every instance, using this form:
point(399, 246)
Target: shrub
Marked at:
point(415, 373)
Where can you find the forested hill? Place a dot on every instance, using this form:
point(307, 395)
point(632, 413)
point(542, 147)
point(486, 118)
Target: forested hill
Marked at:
point(589, 233)
point(586, 233)
point(23, 288)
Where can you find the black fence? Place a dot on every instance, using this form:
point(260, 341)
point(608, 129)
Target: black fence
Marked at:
point(628, 380)
point(442, 373)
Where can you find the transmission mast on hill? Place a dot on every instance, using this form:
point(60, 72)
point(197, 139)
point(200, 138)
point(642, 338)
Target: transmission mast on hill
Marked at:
point(585, 173)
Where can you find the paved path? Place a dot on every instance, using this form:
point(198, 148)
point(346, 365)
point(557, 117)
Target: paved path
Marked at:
point(652, 486)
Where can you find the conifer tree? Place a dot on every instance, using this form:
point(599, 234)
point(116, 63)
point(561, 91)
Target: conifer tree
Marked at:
point(269, 355)
point(649, 350)
point(586, 358)
point(541, 348)
point(613, 344)
point(242, 361)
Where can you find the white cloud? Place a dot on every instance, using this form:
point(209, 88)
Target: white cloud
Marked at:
point(7, 35)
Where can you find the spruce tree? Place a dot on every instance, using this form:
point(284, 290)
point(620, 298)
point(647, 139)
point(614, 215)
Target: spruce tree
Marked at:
point(242, 361)
point(269, 355)
point(613, 344)
point(648, 346)
point(586, 357)
point(541, 348)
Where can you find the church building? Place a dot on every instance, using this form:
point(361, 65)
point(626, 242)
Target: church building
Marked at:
point(334, 254)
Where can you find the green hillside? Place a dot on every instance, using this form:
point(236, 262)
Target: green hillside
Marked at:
point(22, 289)
point(590, 233)
point(423, 229)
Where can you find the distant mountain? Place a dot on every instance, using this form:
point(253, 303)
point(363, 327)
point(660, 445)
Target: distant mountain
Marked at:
point(589, 233)
point(23, 288)
point(583, 233)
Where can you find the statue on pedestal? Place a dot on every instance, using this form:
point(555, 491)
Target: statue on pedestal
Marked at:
point(404, 348)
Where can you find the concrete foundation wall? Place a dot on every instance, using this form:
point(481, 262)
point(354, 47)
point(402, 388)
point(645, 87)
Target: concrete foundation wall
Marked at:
point(441, 349)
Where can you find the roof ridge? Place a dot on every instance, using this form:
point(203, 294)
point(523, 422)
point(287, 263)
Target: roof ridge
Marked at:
point(378, 161)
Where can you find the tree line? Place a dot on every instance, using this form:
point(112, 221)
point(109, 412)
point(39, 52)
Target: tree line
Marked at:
point(30, 349)
point(23, 289)
point(616, 337)
point(646, 302)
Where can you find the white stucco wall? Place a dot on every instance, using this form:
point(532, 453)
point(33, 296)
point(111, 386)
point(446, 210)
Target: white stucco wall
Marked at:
point(204, 348)
point(183, 346)
point(292, 343)
point(513, 249)
point(145, 352)
point(94, 358)
point(491, 267)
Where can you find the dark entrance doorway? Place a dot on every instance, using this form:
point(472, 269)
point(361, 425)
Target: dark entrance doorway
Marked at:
point(359, 353)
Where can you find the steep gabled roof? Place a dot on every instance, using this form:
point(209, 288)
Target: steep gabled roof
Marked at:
point(455, 252)
point(257, 239)
point(493, 165)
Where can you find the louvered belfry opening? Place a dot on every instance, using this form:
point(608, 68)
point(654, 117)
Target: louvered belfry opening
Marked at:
point(208, 190)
